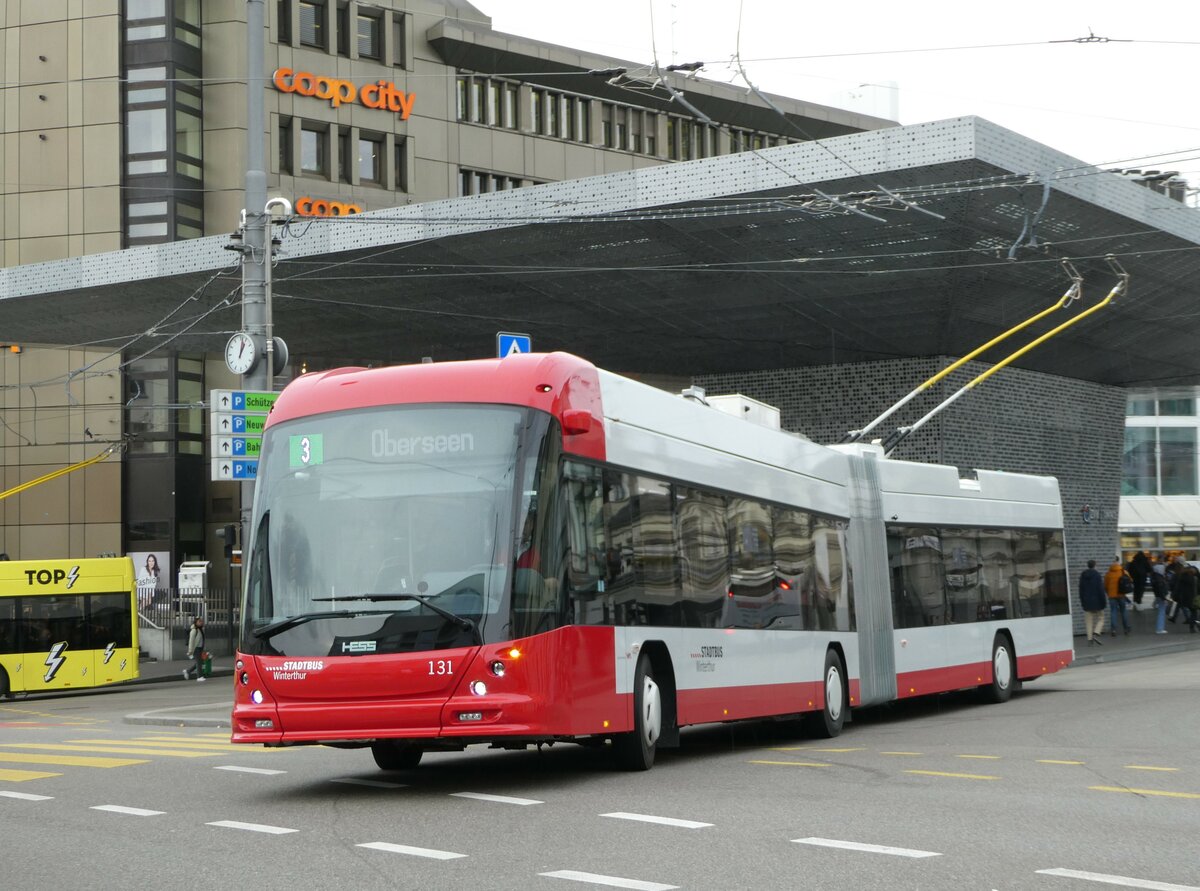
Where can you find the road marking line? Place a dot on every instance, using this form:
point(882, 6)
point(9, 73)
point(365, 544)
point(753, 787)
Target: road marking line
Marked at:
point(610, 881)
point(131, 811)
point(1144, 767)
point(155, 742)
point(870, 849)
point(114, 750)
point(262, 770)
point(67, 760)
point(26, 796)
point(376, 784)
point(1116, 880)
point(252, 827)
point(960, 776)
point(20, 776)
point(901, 753)
point(408, 849)
point(855, 749)
point(502, 799)
point(980, 757)
point(1051, 761)
point(791, 763)
point(1150, 792)
point(665, 821)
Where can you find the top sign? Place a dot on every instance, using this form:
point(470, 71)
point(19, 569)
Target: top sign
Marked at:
point(255, 402)
point(508, 343)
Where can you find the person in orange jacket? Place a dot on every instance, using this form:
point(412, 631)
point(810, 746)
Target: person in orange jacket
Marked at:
point(1117, 583)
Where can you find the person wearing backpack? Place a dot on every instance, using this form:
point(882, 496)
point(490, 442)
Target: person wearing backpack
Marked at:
point(1117, 583)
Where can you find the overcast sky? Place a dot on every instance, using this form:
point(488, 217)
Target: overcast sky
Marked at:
point(1112, 104)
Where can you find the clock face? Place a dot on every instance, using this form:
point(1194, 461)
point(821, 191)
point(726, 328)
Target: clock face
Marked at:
point(240, 353)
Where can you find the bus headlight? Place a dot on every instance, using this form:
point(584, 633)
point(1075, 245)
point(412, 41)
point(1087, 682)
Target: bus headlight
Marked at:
point(479, 688)
point(256, 697)
point(497, 668)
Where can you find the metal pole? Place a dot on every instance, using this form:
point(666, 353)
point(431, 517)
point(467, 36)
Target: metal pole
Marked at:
point(255, 234)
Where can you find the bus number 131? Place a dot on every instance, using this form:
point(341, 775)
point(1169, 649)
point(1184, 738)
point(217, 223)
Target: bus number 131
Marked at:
point(441, 666)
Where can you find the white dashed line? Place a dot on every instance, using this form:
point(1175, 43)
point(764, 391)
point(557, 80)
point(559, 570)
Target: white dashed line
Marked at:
point(611, 881)
point(1123, 881)
point(502, 799)
point(266, 771)
point(665, 821)
point(374, 784)
point(26, 796)
point(870, 849)
point(414, 852)
point(131, 811)
point(252, 827)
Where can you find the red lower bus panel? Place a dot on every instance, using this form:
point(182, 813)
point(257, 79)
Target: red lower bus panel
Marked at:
point(561, 684)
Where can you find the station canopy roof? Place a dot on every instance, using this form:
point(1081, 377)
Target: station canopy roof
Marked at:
point(925, 240)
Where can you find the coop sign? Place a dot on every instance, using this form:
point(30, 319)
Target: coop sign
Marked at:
point(382, 94)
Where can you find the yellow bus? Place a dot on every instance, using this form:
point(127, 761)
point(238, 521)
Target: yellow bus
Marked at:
point(67, 624)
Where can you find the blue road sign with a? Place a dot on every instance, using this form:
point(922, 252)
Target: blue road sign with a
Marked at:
point(508, 343)
point(245, 470)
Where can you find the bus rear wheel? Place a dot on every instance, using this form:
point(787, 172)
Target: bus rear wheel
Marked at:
point(396, 756)
point(828, 722)
point(3, 684)
point(1004, 678)
point(636, 750)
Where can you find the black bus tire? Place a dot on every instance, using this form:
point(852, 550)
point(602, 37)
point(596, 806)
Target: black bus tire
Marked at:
point(396, 756)
point(1004, 671)
point(828, 722)
point(636, 750)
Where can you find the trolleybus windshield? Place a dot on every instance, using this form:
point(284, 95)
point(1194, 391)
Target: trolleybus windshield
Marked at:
point(386, 530)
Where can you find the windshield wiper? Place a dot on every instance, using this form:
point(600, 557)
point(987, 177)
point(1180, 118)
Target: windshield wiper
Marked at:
point(461, 621)
point(292, 621)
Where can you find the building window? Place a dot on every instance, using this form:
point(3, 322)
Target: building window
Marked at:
point(461, 98)
point(400, 161)
point(146, 131)
point(510, 107)
point(345, 158)
point(606, 125)
point(343, 29)
point(399, 26)
point(312, 23)
point(285, 145)
point(189, 150)
point(187, 22)
point(136, 10)
point(370, 159)
point(478, 108)
point(537, 104)
point(369, 36)
point(314, 153)
point(283, 21)
point(672, 139)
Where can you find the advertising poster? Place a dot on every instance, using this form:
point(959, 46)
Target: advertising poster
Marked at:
point(153, 572)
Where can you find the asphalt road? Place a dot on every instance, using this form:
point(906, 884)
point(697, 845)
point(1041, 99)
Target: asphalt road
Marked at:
point(1086, 779)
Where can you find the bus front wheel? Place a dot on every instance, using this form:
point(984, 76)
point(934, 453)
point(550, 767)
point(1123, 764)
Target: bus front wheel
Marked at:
point(396, 756)
point(636, 750)
point(828, 722)
point(1003, 671)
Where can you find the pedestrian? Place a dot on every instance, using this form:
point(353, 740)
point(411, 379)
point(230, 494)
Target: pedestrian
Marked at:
point(1158, 584)
point(1187, 581)
point(1094, 601)
point(195, 649)
point(1117, 583)
point(1139, 570)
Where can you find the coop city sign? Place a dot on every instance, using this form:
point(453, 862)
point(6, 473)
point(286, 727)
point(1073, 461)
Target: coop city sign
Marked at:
point(336, 92)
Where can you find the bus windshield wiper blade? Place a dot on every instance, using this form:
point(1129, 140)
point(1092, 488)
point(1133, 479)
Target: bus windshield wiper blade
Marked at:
point(292, 621)
point(461, 621)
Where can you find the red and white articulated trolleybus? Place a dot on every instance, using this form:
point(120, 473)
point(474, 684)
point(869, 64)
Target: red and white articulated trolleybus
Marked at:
point(530, 550)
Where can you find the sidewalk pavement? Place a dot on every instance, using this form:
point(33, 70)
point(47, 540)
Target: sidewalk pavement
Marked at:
point(209, 704)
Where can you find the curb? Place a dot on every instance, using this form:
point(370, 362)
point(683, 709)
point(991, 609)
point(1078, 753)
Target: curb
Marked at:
point(171, 717)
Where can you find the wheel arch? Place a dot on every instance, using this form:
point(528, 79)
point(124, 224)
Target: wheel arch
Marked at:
point(836, 647)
